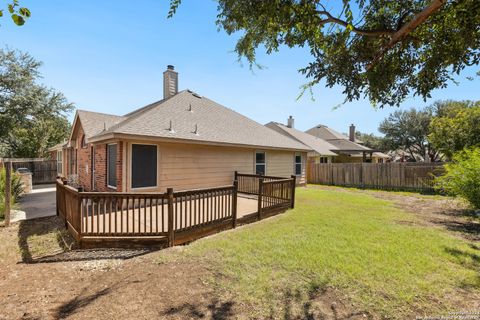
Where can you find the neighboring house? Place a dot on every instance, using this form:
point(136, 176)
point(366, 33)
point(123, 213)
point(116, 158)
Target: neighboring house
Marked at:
point(322, 151)
point(348, 149)
point(183, 141)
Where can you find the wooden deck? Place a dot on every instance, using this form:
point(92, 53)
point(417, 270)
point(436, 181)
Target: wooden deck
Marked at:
point(153, 220)
point(117, 219)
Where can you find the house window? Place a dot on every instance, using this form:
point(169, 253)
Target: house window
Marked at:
point(260, 163)
point(59, 162)
point(144, 165)
point(83, 144)
point(112, 165)
point(323, 159)
point(298, 164)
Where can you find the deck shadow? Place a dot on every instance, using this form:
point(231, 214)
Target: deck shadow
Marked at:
point(67, 247)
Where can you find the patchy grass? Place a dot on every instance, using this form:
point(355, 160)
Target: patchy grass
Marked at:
point(374, 253)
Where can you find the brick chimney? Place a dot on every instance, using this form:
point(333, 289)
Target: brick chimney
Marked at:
point(170, 82)
point(290, 122)
point(351, 136)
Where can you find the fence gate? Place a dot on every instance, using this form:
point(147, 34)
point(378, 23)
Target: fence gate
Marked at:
point(43, 171)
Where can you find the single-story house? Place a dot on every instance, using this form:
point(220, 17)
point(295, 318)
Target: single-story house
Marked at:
point(322, 151)
point(183, 141)
point(348, 149)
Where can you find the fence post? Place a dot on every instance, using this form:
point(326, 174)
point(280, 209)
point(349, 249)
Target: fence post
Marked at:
point(234, 202)
point(171, 234)
point(260, 192)
point(235, 176)
point(294, 183)
point(8, 191)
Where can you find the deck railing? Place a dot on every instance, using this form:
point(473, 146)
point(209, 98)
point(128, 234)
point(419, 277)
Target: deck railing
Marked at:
point(170, 217)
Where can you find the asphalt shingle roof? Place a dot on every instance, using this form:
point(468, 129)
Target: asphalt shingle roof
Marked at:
point(340, 141)
point(198, 119)
point(94, 123)
point(316, 144)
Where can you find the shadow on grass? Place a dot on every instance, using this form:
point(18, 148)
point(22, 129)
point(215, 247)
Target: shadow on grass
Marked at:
point(468, 260)
point(318, 303)
point(60, 245)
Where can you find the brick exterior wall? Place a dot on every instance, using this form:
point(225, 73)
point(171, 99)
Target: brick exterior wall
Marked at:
point(83, 166)
point(101, 167)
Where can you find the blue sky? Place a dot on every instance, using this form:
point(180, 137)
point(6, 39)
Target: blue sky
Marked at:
point(108, 56)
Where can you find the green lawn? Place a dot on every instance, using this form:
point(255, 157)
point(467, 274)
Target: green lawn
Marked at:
point(360, 245)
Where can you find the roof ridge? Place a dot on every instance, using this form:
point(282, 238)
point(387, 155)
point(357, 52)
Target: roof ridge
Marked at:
point(102, 113)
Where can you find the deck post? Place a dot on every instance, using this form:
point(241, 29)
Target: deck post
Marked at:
point(294, 183)
point(78, 222)
point(235, 175)
point(260, 192)
point(171, 236)
point(8, 191)
point(234, 203)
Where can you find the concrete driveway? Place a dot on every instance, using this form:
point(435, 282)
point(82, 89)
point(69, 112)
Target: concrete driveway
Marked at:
point(39, 203)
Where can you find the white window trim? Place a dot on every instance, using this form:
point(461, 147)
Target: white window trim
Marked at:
point(108, 167)
point(131, 168)
point(255, 162)
point(295, 163)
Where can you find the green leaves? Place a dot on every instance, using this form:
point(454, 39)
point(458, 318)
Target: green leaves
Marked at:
point(19, 21)
point(18, 14)
point(32, 116)
point(462, 176)
point(343, 42)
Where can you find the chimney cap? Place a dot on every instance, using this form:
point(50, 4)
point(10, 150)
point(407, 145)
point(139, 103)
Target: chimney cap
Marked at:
point(170, 67)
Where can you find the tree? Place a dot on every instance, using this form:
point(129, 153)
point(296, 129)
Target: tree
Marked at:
point(457, 126)
point(32, 116)
point(408, 131)
point(18, 13)
point(385, 50)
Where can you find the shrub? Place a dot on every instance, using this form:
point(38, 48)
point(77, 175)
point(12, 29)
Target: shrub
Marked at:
point(17, 190)
point(462, 176)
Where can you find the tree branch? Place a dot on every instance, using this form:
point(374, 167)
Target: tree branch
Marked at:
point(362, 32)
point(408, 27)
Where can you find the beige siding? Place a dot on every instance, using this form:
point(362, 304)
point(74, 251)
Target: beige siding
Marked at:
point(187, 166)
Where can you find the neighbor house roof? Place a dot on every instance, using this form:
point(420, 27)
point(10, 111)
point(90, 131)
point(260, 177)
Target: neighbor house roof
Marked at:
point(58, 146)
point(318, 145)
point(340, 141)
point(190, 117)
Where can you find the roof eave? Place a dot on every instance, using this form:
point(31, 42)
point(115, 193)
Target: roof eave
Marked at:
point(118, 136)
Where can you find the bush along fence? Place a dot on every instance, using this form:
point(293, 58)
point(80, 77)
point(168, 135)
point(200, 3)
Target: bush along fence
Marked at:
point(387, 176)
point(121, 219)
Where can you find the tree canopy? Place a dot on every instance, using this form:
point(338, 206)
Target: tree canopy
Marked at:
point(456, 126)
point(32, 116)
point(384, 50)
point(408, 131)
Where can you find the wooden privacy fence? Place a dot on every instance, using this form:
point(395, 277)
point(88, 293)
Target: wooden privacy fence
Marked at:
point(43, 171)
point(120, 218)
point(395, 175)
